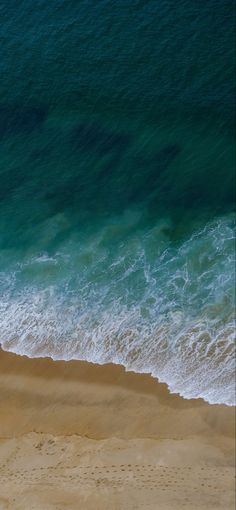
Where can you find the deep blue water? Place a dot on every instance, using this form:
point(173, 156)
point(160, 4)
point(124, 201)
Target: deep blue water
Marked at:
point(117, 195)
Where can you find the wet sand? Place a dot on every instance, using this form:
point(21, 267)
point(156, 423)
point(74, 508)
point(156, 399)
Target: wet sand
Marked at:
point(79, 436)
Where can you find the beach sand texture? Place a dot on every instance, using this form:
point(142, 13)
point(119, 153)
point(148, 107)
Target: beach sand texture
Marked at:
point(80, 436)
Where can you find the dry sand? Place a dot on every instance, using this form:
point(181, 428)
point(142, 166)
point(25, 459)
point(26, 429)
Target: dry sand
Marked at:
point(84, 437)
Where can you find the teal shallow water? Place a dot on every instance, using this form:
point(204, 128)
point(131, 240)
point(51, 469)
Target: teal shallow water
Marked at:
point(117, 164)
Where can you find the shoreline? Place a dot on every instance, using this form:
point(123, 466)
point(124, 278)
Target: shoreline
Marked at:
point(60, 418)
point(123, 368)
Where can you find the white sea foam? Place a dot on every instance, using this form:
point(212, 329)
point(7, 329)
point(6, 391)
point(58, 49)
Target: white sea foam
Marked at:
point(170, 314)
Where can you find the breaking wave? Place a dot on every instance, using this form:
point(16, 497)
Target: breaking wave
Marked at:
point(149, 304)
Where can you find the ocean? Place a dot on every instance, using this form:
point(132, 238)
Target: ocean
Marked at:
point(117, 196)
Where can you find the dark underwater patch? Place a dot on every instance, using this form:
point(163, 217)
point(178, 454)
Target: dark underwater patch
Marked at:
point(15, 119)
point(40, 154)
point(10, 181)
point(149, 175)
point(92, 137)
point(116, 184)
point(166, 155)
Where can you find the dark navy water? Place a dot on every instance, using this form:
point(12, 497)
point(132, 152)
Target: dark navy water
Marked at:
point(117, 182)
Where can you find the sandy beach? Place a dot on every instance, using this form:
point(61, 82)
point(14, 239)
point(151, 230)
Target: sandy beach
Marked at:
point(80, 436)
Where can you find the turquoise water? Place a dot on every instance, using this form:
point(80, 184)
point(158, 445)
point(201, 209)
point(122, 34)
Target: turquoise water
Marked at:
point(117, 167)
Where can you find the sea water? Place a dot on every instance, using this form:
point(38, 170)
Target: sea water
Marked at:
point(117, 161)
